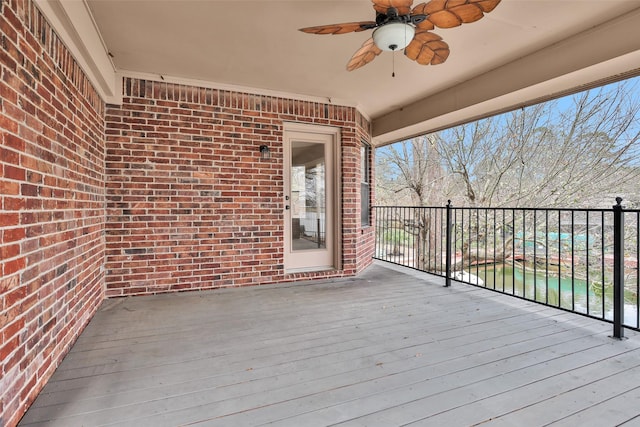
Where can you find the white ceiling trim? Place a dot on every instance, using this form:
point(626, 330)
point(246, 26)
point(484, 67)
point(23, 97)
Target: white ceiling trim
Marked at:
point(74, 24)
point(236, 88)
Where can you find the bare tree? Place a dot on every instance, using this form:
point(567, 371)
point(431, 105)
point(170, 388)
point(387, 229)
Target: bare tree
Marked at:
point(412, 167)
point(552, 154)
point(574, 152)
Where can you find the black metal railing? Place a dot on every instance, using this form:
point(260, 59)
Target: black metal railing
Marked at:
point(580, 260)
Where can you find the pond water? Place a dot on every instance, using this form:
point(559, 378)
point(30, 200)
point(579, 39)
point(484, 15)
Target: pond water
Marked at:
point(571, 294)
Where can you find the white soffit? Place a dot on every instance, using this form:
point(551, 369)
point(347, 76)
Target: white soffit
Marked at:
point(74, 24)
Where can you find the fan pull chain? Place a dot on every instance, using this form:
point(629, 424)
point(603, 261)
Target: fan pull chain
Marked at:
point(393, 62)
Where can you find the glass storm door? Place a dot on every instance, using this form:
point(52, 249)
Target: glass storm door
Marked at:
point(309, 202)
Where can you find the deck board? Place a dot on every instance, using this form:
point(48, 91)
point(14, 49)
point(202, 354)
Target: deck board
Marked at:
point(390, 347)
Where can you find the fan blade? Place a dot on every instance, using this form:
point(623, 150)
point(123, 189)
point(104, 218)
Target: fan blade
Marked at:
point(364, 55)
point(452, 13)
point(427, 48)
point(429, 8)
point(425, 25)
point(347, 27)
point(402, 6)
point(486, 5)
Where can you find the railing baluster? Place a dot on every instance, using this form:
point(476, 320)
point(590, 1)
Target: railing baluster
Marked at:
point(455, 237)
point(470, 243)
point(588, 285)
point(637, 236)
point(618, 269)
point(402, 233)
point(447, 273)
point(559, 258)
point(477, 247)
point(461, 241)
point(427, 240)
point(602, 270)
point(404, 236)
point(513, 252)
point(573, 275)
point(486, 244)
point(504, 248)
point(440, 243)
point(524, 254)
point(494, 248)
point(535, 255)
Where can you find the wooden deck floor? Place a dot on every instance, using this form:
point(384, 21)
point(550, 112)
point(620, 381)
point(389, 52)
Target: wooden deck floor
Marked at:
point(387, 348)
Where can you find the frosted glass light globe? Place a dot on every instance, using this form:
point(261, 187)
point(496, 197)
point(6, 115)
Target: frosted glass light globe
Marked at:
point(394, 36)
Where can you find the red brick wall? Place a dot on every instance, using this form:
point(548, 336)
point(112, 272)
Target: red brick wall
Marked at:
point(366, 241)
point(51, 204)
point(190, 205)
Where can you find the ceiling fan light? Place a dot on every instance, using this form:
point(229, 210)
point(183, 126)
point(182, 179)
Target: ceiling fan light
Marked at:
point(393, 36)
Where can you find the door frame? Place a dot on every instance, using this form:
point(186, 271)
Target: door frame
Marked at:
point(336, 190)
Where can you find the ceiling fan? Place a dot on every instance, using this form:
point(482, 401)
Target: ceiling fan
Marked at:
point(399, 26)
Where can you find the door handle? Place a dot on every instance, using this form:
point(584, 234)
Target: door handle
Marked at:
point(287, 207)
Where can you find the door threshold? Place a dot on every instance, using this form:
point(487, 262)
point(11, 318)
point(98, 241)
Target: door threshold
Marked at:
point(309, 270)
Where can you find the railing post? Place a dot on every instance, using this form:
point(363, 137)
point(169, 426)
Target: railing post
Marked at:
point(618, 269)
point(447, 280)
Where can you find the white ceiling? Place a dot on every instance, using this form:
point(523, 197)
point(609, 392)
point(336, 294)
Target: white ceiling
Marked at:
point(523, 50)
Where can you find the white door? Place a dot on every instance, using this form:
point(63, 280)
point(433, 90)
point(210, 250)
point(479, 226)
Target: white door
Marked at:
point(310, 192)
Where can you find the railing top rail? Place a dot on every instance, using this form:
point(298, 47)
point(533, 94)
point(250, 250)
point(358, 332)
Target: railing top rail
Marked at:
point(507, 208)
point(411, 207)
